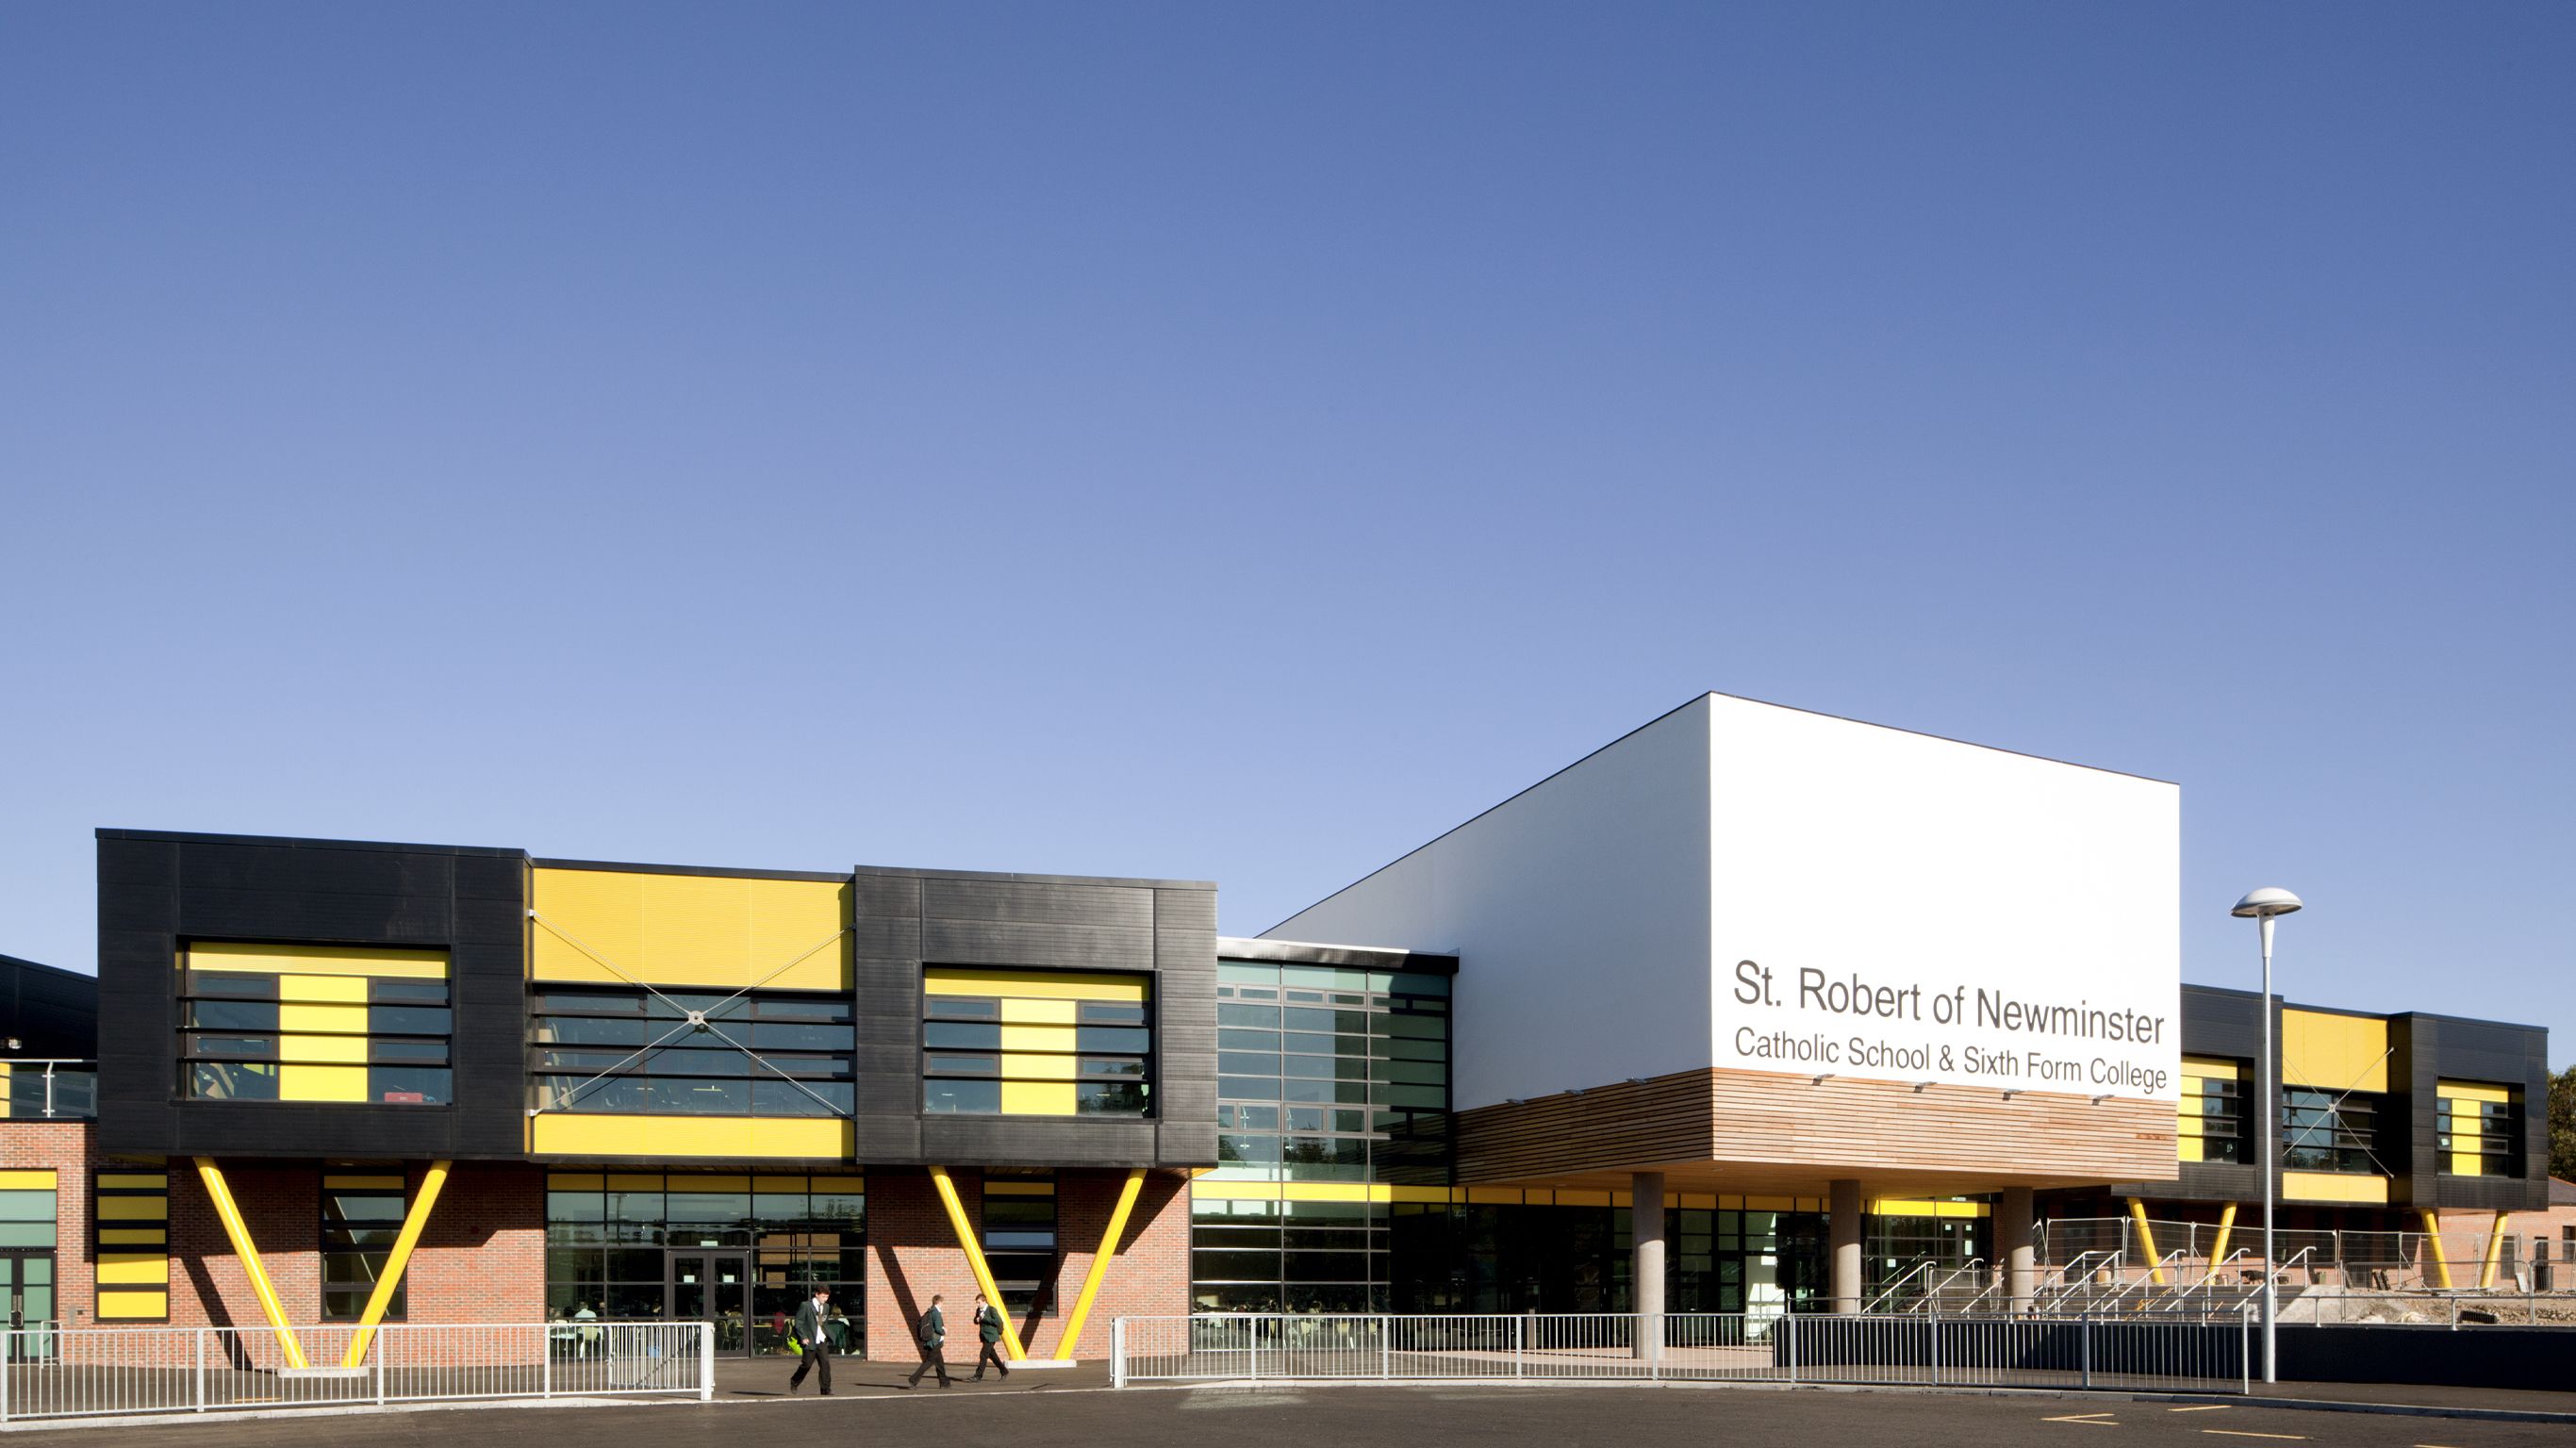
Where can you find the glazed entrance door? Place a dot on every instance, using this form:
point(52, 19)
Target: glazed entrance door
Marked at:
point(713, 1287)
point(27, 1294)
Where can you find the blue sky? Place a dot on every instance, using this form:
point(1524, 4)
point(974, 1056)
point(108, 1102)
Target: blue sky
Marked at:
point(1243, 441)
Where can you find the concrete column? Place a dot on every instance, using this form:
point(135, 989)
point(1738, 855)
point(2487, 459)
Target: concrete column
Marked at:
point(2014, 1214)
point(1844, 1237)
point(1646, 1238)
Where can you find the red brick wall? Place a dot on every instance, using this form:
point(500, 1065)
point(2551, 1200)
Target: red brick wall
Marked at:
point(913, 1253)
point(481, 1257)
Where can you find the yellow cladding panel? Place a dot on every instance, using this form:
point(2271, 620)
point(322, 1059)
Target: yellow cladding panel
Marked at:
point(1038, 1068)
point(2476, 1091)
point(31, 1180)
point(134, 1209)
point(344, 1050)
point(1924, 1207)
point(337, 1018)
point(2213, 1068)
point(116, 1305)
point(708, 1183)
point(633, 1183)
point(1418, 1194)
point(150, 1180)
point(1027, 1011)
point(133, 1236)
point(1037, 984)
point(574, 1181)
point(2319, 1186)
point(2336, 1053)
point(735, 1138)
point(1038, 1038)
point(1494, 1196)
point(322, 988)
point(321, 1083)
point(133, 1269)
point(846, 1185)
point(317, 960)
point(1037, 1098)
point(726, 931)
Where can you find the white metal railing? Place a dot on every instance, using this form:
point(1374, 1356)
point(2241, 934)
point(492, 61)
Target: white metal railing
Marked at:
point(67, 1087)
point(2379, 1261)
point(85, 1372)
point(2155, 1352)
point(1896, 1289)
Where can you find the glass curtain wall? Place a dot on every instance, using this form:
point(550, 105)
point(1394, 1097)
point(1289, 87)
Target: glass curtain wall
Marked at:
point(609, 1238)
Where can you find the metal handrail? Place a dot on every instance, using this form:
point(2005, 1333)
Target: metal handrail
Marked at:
point(1919, 1269)
point(2146, 1279)
point(1932, 1299)
point(2076, 1276)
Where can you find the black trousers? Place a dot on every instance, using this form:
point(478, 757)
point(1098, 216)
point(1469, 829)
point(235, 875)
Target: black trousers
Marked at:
point(932, 1357)
point(992, 1353)
point(817, 1359)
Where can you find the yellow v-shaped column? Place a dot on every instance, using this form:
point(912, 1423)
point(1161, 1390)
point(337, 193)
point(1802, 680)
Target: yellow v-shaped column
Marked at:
point(383, 1297)
point(244, 1248)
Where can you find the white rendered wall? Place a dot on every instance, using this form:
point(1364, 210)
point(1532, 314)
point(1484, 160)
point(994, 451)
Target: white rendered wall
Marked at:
point(1927, 868)
point(1580, 911)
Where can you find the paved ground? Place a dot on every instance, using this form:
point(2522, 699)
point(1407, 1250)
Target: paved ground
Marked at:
point(1042, 1411)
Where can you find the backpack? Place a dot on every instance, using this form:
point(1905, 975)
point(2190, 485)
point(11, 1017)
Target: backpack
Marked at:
point(930, 1332)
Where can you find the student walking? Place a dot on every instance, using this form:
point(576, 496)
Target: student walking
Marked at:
point(934, 1340)
point(988, 1327)
point(813, 1336)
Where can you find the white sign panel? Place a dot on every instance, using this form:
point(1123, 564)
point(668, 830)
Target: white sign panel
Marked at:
point(1894, 906)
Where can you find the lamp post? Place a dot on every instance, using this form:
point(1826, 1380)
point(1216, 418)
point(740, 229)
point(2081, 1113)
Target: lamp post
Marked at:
point(2265, 906)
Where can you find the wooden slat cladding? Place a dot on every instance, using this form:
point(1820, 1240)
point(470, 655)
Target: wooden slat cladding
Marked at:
point(1787, 1127)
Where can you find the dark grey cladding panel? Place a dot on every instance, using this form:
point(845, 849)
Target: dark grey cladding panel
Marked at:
point(1037, 1141)
point(2526, 1193)
point(1187, 1143)
point(157, 893)
point(1007, 942)
point(2221, 1023)
point(887, 1137)
point(221, 914)
point(885, 937)
point(315, 869)
point(880, 894)
point(1023, 903)
point(899, 1057)
point(1190, 911)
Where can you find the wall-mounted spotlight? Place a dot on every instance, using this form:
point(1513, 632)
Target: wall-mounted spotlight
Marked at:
point(1919, 1085)
point(1821, 1080)
point(2105, 1096)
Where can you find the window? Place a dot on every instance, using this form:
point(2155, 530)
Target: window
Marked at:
point(2327, 1132)
point(609, 1238)
point(2212, 1123)
point(1036, 1043)
point(262, 1022)
point(361, 1217)
point(2479, 1130)
point(1019, 1241)
point(132, 1223)
point(758, 1053)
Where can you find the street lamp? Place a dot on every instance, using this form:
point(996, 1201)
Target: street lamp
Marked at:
point(2265, 906)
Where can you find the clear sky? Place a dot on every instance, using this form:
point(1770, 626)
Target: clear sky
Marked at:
point(1242, 441)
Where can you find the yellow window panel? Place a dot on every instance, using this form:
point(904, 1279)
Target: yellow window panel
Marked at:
point(1023, 1010)
point(1038, 1068)
point(295, 1016)
point(111, 1180)
point(344, 1050)
point(728, 931)
point(1494, 1196)
point(2187, 1147)
point(719, 1138)
point(1038, 1038)
point(1037, 1098)
point(321, 1083)
point(2211, 1068)
point(2465, 1163)
point(134, 1209)
point(710, 1183)
point(352, 988)
point(133, 1304)
point(2318, 1186)
point(2332, 1052)
point(841, 1184)
point(30, 1180)
point(634, 1182)
point(573, 1181)
point(2476, 1091)
point(133, 1269)
point(1037, 984)
point(317, 960)
point(133, 1236)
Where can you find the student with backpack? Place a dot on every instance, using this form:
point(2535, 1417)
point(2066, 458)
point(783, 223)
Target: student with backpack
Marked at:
point(933, 1334)
point(988, 1327)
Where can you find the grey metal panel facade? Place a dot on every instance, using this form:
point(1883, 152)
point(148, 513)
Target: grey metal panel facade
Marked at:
point(159, 891)
point(909, 920)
